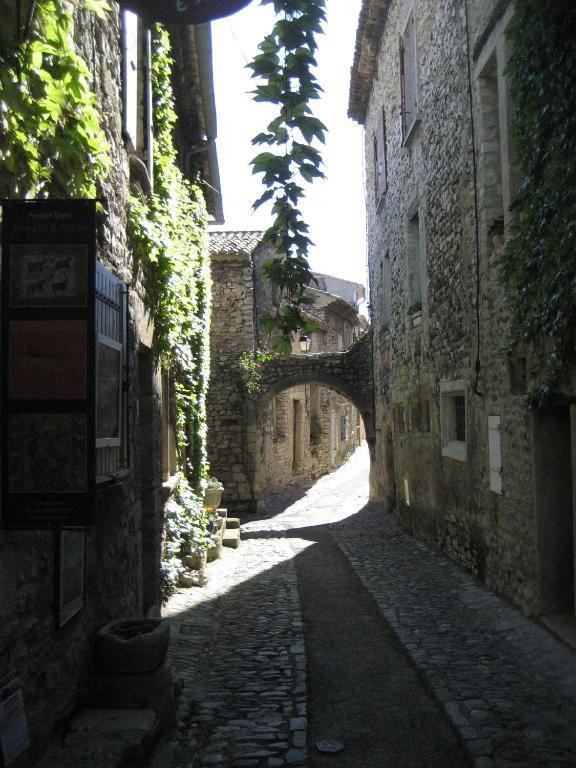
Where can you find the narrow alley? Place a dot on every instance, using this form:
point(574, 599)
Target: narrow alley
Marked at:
point(331, 627)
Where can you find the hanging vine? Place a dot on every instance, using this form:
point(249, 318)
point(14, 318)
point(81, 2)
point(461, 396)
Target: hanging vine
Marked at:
point(538, 265)
point(284, 68)
point(51, 139)
point(168, 232)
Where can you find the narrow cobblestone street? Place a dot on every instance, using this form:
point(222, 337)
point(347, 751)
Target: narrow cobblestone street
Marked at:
point(330, 622)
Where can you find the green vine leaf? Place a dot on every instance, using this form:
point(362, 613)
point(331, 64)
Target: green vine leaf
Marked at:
point(49, 118)
point(284, 71)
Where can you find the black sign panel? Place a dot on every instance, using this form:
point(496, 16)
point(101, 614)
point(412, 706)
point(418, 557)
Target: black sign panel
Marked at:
point(47, 349)
point(183, 11)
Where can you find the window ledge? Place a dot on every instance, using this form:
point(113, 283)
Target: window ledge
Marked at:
point(455, 450)
point(416, 319)
point(104, 481)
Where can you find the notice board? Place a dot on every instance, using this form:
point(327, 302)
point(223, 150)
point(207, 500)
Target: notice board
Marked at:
point(47, 384)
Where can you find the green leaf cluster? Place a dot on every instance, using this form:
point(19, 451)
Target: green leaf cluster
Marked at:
point(51, 139)
point(538, 268)
point(168, 232)
point(285, 78)
point(250, 369)
point(185, 531)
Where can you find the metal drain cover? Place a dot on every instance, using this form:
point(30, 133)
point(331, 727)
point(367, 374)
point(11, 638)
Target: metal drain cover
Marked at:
point(329, 745)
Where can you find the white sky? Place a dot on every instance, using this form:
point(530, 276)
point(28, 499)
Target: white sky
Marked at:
point(334, 209)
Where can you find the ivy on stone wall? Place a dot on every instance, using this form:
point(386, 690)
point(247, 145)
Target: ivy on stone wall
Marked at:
point(538, 267)
point(51, 139)
point(168, 233)
point(284, 71)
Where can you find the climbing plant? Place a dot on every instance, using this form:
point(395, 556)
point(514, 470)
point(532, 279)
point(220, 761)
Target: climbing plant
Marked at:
point(538, 265)
point(168, 233)
point(285, 78)
point(51, 139)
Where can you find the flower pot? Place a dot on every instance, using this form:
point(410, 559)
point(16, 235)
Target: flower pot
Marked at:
point(133, 646)
point(212, 498)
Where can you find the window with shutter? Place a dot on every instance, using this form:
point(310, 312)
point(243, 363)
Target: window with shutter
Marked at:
point(409, 77)
point(111, 422)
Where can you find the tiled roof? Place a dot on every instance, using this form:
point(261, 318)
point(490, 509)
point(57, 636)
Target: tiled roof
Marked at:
point(370, 25)
point(234, 243)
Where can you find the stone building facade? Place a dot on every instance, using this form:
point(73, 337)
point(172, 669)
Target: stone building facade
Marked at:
point(257, 446)
point(122, 549)
point(459, 456)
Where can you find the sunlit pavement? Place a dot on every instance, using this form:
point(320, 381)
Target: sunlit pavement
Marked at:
point(507, 687)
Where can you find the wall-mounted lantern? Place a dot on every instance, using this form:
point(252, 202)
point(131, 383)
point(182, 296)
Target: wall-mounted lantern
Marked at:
point(305, 343)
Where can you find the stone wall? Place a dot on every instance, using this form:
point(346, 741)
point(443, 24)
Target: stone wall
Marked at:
point(122, 548)
point(232, 333)
point(261, 444)
point(454, 346)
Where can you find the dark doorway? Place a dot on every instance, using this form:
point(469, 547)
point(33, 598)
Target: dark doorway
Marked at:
point(554, 509)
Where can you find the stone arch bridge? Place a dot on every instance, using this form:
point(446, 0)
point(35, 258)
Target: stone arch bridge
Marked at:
point(349, 373)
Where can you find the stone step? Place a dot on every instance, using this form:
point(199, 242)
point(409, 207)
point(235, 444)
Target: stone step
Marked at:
point(231, 538)
point(222, 512)
point(105, 737)
point(232, 522)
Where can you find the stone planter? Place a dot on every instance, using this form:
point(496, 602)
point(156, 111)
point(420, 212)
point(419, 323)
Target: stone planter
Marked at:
point(212, 498)
point(133, 646)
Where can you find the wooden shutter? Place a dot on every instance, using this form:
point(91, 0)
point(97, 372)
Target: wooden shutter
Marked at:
point(111, 448)
point(408, 76)
point(402, 89)
point(380, 170)
point(494, 454)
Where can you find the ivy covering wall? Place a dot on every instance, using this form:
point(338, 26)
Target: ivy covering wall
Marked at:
point(539, 265)
point(51, 139)
point(168, 232)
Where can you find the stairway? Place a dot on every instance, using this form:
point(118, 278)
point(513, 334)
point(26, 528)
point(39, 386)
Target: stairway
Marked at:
point(227, 535)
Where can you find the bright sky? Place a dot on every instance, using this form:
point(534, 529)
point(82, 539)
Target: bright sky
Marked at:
point(334, 209)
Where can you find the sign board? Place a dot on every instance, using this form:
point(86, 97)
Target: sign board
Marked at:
point(183, 11)
point(13, 723)
point(47, 349)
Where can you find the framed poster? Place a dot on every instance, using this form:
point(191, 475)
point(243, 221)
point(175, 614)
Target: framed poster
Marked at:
point(47, 359)
point(71, 573)
point(48, 276)
point(47, 453)
point(47, 369)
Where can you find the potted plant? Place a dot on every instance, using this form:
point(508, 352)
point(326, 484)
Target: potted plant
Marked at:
point(212, 494)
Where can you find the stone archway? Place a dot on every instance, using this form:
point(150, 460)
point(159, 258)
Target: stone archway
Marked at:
point(348, 373)
point(235, 419)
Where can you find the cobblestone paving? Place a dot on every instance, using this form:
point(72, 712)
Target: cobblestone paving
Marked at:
point(238, 651)
point(508, 687)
